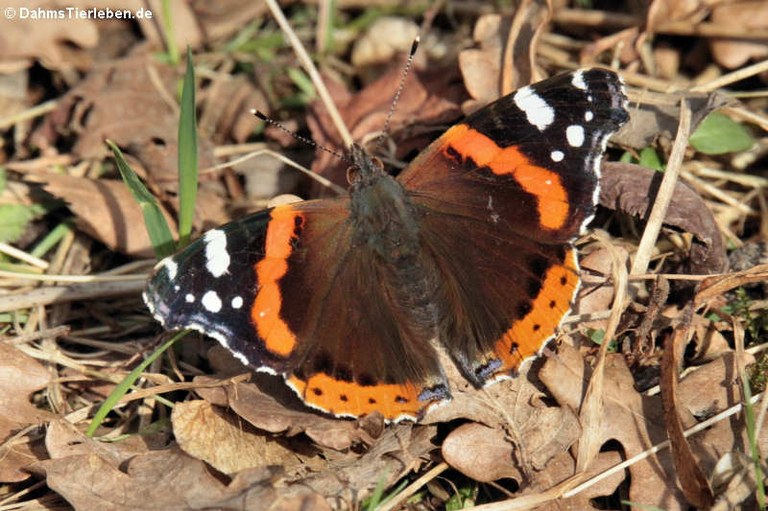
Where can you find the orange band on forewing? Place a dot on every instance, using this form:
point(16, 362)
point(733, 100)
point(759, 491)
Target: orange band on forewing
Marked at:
point(265, 313)
point(349, 398)
point(540, 182)
point(547, 312)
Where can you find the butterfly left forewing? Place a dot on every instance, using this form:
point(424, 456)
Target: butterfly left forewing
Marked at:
point(289, 292)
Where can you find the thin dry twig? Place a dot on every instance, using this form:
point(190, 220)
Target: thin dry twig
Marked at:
point(314, 75)
point(665, 193)
point(412, 488)
point(591, 412)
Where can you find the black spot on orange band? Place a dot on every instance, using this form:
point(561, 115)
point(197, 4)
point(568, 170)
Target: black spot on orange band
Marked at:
point(542, 315)
point(349, 398)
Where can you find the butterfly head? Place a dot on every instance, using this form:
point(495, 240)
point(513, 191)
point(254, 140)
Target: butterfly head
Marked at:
point(365, 169)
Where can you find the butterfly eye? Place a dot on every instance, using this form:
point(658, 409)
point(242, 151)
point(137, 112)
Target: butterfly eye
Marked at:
point(353, 174)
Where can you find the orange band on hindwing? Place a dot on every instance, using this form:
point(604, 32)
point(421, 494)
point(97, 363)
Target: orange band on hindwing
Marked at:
point(349, 398)
point(283, 230)
point(540, 182)
point(528, 334)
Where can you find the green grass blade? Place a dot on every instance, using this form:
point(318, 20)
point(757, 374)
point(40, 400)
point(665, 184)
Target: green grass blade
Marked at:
point(754, 448)
point(187, 154)
point(123, 387)
point(157, 227)
point(168, 33)
point(52, 238)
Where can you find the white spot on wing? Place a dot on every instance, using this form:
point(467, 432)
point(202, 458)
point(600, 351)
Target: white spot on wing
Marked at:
point(588, 115)
point(538, 112)
point(575, 135)
point(237, 302)
point(189, 298)
point(211, 301)
point(557, 156)
point(216, 255)
point(171, 268)
point(578, 80)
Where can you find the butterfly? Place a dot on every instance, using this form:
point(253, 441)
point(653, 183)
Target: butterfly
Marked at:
point(468, 250)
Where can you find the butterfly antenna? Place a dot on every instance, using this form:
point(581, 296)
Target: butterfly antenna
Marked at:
point(263, 117)
point(400, 87)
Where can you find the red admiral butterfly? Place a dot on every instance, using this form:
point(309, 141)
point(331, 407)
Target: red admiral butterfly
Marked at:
point(468, 249)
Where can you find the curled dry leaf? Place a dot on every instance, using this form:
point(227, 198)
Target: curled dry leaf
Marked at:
point(65, 440)
point(693, 481)
point(225, 442)
point(515, 432)
point(20, 375)
point(486, 455)
point(167, 479)
point(635, 421)
point(631, 188)
point(127, 475)
point(402, 450)
point(655, 115)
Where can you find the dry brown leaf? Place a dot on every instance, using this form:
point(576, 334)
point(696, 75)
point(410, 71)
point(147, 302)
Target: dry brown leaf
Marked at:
point(23, 40)
point(635, 421)
point(631, 188)
point(403, 449)
point(430, 98)
point(106, 210)
point(224, 18)
point(20, 375)
point(121, 102)
point(742, 17)
point(481, 453)
point(63, 440)
point(564, 466)
point(486, 454)
point(383, 41)
point(226, 113)
point(126, 476)
point(167, 479)
point(223, 441)
point(505, 58)
point(512, 417)
point(266, 413)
